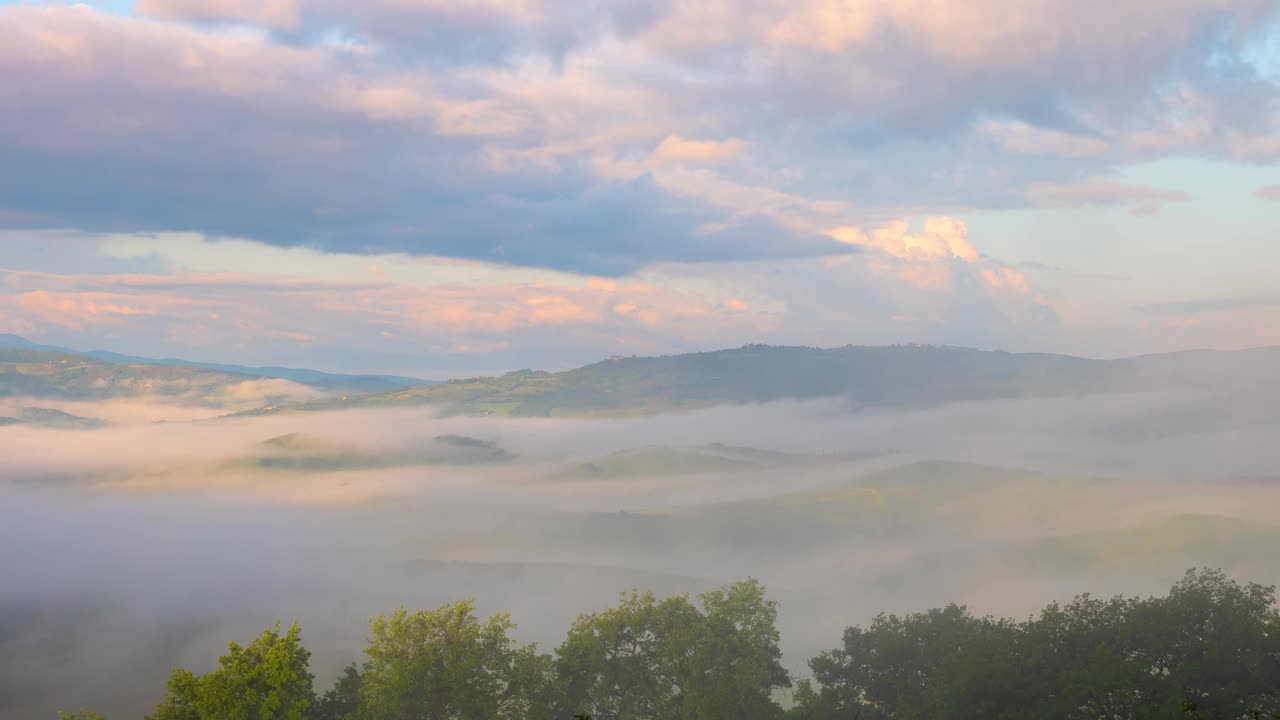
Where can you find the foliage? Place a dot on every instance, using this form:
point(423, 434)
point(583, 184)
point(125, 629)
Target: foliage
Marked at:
point(81, 714)
point(1211, 645)
point(266, 680)
point(342, 701)
point(445, 664)
point(656, 659)
point(1208, 649)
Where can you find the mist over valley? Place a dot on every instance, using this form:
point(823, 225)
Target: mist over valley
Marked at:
point(173, 523)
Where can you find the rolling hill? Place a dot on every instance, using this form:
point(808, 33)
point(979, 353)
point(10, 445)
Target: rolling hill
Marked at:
point(305, 453)
point(50, 418)
point(311, 378)
point(1167, 544)
point(900, 376)
point(67, 376)
point(868, 376)
point(300, 455)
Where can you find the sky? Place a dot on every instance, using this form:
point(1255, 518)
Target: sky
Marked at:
point(449, 187)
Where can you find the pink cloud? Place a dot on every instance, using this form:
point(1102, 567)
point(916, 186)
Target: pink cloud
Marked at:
point(674, 148)
point(77, 310)
point(1004, 278)
point(1254, 147)
point(305, 311)
point(942, 238)
point(1024, 139)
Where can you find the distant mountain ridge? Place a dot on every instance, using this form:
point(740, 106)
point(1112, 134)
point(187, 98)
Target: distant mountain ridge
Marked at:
point(867, 376)
point(312, 378)
point(900, 375)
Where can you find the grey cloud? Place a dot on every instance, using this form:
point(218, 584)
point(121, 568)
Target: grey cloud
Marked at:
point(195, 284)
point(290, 156)
point(294, 140)
point(1102, 191)
point(1058, 270)
point(486, 32)
point(1195, 307)
point(925, 72)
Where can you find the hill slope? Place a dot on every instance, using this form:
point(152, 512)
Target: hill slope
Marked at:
point(312, 378)
point(657, 461)
point(67, 376)
point(896, 375)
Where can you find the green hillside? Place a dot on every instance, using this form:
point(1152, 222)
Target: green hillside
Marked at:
point(1160, 545)
point(909, 375)
point(338, 382)
point(50, 418)
point(47, 417)
point(66, 376)
point(302, 453)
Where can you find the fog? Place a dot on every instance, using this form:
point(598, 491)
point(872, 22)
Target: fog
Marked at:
point(142, 546)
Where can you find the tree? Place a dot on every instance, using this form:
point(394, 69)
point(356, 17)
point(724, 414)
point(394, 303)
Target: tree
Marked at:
point(342, 701)
point(444, 664)
point(944, 663)
point(267, 680)
point(81, 714)
point(649, 659)
point(1212, 642)
point(738, 662)
point(624, 663)
point(1210, 648)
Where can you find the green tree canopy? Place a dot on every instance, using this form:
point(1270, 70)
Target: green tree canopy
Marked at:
point(266, 680)
point(445, 664)
point(1209, 649)
point(342, 701)
point(1211, 645)
point(649, 659)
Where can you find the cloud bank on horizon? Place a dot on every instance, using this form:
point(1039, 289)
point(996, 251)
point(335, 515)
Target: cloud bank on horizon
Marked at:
point(442, 186)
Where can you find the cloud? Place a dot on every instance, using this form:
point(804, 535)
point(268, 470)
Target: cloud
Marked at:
point(942, 238)
point(601, 137)
point(1102, 191)
point(272, 14)
point(1270, 192)
point(674, 148)
point(1255, 147)
point(74, 310)
point(1020, 137)
point(929, 67)
point(1212, 305)
point(1036, 266)
point(442, 316)
point(477, 31)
